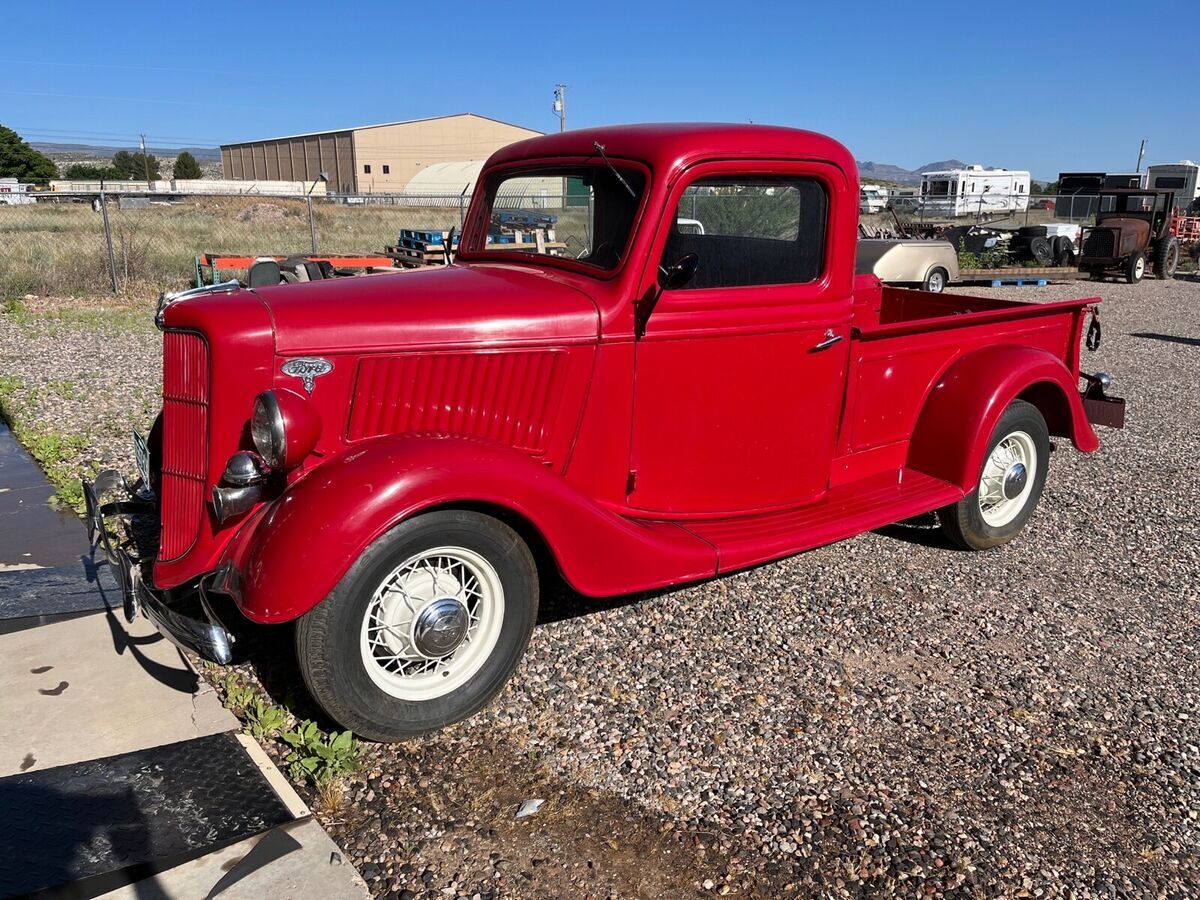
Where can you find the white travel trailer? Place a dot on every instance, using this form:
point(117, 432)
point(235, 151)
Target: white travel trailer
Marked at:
point(1182, 177)
point(14, 193)
point(872, 198)
point(973, 190)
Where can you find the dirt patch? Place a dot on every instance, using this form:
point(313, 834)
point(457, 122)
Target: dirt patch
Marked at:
point(263, 212)
point(408, 827)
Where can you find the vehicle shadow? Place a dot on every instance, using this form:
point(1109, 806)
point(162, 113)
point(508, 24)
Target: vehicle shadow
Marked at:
point(1168, 338)
point(268, 650)
point(922, 530)
point(60, 841)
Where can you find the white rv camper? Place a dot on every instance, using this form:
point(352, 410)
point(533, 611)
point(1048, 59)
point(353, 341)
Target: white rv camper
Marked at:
point(972, 191)
point(1182, 177)
point(872, 198)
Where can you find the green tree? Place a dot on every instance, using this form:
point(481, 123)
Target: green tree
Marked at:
point(20, 161)
point(187, 167)
point(90, 172)
point(132, 166)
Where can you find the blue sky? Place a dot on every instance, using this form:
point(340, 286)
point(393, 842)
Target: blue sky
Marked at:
point(896, 84)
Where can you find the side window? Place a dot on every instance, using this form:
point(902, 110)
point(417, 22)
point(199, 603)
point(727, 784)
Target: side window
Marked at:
point(750, 231)
point(367, 169)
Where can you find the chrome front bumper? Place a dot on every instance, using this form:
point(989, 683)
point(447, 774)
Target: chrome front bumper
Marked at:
point(205, 637)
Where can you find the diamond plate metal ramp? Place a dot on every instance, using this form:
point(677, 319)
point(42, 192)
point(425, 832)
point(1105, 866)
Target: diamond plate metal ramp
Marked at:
point(84, 820)
point(82, 587)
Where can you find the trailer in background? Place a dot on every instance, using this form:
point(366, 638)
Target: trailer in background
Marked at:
point(15, 193)
point(872, 198)
point(1079, 192)
point(973, 190)
point(1182, 177)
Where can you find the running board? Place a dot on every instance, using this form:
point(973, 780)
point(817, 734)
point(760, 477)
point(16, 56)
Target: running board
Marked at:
point(846, 510)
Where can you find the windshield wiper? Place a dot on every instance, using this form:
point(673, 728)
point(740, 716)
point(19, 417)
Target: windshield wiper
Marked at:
point(600, 149)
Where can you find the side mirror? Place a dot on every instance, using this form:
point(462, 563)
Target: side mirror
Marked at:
point(677, 275)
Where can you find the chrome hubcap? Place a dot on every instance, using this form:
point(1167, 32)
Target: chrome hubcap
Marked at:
point(1014, 480)
point(1007, 479)
point(440, 627)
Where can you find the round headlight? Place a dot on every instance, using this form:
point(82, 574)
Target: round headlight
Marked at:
point(267, 430)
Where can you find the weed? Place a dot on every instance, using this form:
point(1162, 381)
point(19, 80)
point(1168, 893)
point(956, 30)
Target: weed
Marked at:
point(238, 694)
point(64, 388)
point(320, 758)
point(265, 720)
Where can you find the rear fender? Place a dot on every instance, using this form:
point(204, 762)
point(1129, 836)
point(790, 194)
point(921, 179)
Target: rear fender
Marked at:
point(964, 406)
point(287, 559)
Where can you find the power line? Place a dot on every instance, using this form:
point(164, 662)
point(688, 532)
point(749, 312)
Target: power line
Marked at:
point(240, 73)
point(205, 105)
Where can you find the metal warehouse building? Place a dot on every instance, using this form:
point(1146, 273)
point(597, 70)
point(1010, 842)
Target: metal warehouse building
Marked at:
point(373, 158)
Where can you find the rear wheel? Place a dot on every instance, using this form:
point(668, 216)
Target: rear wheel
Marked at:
point(1010, 482)
point(1166, 257)
point(1135, 267)
point(935, 281)
point(425, 628)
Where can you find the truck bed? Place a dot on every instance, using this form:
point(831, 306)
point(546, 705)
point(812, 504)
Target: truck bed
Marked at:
point(903, 341)
point(889, 311)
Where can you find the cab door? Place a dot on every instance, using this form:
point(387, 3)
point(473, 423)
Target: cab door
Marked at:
point(740, 373)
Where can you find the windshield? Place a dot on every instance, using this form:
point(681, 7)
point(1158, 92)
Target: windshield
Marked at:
point(584, 213)
point(1132, 203)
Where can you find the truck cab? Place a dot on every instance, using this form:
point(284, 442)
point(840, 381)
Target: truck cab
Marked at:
point(630, 402)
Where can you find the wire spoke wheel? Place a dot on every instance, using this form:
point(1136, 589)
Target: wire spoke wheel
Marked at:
point(432, 623)
point(1007, 479)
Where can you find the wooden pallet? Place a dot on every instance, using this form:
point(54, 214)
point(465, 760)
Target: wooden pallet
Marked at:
point(409, 257)
point(1021, 276)
point(436, 256)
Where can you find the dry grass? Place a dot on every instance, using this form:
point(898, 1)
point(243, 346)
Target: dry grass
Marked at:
point(58, 248)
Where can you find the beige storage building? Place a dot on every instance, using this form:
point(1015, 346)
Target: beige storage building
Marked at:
point(373, 158)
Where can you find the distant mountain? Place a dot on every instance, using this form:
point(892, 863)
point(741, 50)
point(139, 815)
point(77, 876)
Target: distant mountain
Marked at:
point(873, 171)
point(942, 166)
point(90, 151)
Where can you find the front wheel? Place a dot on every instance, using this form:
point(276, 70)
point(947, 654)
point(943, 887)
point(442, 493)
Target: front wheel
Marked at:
point(1010, 482)
point(1135, 267)
point(426, 627)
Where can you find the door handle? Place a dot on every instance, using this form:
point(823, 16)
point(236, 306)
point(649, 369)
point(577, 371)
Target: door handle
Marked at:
point(830, 340)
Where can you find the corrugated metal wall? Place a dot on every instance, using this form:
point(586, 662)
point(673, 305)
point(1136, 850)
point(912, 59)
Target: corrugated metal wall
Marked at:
point(294, 159)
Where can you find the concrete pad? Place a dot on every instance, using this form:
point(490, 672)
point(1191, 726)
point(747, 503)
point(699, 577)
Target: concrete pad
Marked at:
point(295, 861)
point(94, 686)
point(32, 532)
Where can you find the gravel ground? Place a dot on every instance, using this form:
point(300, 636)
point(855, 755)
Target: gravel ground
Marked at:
point(886, 716)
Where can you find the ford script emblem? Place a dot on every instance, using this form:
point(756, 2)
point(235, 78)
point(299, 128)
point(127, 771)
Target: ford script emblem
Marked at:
point(308, 369)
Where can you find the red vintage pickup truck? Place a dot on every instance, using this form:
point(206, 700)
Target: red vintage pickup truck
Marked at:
point(682, 377)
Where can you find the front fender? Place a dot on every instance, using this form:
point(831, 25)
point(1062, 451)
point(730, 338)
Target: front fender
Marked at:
point(964, 406)
point(286, 560)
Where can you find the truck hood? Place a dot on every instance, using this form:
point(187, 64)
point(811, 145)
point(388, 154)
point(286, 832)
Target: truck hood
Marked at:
point(469, 304)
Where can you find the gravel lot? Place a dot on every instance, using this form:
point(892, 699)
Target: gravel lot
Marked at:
point(886, 716)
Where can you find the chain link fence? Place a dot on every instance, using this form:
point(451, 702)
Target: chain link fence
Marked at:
point(90, 244)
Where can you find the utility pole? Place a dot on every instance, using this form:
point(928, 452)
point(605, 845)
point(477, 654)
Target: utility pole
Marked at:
point(560, 105)
point(1141, 153)
point(146, 160)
